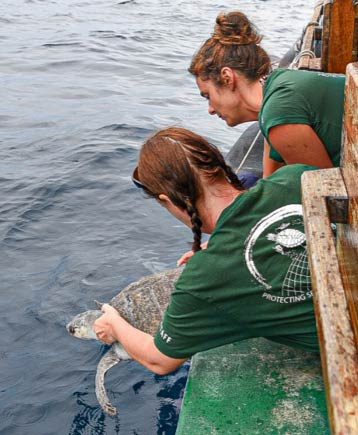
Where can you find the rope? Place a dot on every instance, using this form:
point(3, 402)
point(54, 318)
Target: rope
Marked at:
point(295, 61)
point(248, 152)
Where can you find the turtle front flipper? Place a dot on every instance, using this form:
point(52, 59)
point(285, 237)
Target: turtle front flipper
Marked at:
point(110, 359)
point(98, 304)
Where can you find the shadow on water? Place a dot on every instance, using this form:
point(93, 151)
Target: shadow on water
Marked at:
point(91, 420)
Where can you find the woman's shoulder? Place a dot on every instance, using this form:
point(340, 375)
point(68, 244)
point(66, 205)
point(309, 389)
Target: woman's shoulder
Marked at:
point(289, 174)
point(293, 170)
point(285, 182)
point(287, 177)
point(296, 77)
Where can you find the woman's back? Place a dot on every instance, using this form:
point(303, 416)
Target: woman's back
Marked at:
point(253, 278)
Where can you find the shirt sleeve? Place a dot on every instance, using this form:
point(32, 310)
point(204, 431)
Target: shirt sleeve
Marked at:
point(191, 325)
point(201, 314)
point(284, 106)
point(197, 318)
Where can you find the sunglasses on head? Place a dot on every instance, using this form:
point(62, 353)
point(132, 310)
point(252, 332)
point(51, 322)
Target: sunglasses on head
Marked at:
point(136, 182)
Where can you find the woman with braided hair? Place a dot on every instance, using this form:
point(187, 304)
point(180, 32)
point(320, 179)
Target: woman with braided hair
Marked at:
point(299, 112)
point(252, 280)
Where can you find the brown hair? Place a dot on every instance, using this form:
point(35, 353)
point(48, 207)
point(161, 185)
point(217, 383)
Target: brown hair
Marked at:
point(175, 161)
point(235, 44)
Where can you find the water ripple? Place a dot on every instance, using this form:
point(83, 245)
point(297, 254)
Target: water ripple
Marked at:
point(25, 415)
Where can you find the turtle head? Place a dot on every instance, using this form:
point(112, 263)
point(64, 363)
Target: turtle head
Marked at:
point(81, 326)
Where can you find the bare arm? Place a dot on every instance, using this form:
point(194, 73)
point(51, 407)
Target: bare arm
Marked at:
point(299, 143)
point(269, 165)
point(138, 344)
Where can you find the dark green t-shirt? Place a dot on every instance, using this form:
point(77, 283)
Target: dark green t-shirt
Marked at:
point(305, 97)
point(253, 278)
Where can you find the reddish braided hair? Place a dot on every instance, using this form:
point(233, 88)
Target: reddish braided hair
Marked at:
point(174, 161)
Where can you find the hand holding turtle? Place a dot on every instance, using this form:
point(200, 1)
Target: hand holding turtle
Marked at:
point(103, 326)
point(185, 257)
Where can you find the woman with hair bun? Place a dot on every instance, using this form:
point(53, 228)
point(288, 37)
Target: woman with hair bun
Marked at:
point(299, 112)
point(252, 280)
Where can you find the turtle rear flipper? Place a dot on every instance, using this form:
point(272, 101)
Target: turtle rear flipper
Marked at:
point(115, 354)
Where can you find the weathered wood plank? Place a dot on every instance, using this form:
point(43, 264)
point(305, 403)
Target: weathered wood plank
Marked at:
point(338, 348)
point(315, 64)
point(338, 35)
point(355, 33)
point(307, 53)
point(326, 33)
point(349, 157)
point(331, 195)
point(348, 235)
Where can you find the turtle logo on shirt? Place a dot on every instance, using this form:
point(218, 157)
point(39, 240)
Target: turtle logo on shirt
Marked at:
point(289, 242)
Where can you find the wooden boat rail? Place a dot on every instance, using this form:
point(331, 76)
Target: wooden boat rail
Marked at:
point(330, 197)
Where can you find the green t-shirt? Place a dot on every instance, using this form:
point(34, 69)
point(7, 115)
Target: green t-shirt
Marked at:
point(305, 97)
point(253, 278)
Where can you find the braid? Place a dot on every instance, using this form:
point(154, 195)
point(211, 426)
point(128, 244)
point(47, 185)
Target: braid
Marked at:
point(195, 228)
point(233, 178)
point(178, 163)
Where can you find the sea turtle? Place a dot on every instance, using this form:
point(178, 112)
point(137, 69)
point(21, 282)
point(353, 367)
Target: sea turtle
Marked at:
point(142, 304)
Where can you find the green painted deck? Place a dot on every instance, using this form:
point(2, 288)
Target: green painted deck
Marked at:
point(254, 387)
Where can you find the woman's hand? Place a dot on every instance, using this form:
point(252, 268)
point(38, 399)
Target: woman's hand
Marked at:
point(104, 326)
point(185, 257)
point(139, 345)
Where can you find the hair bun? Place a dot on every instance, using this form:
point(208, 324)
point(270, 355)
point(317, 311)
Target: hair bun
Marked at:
point(235, 28)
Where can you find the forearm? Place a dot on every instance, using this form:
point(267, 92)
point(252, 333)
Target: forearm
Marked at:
point(137, 343)
point(140, 346)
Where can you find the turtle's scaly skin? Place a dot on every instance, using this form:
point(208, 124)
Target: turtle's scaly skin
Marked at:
point(142, 304)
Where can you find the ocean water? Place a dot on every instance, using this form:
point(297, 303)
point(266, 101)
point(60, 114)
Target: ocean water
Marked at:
point(83, 82)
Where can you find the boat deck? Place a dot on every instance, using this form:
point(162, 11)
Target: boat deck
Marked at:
point(254, 387)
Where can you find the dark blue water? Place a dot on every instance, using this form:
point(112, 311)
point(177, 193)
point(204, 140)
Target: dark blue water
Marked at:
point(83, 82)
